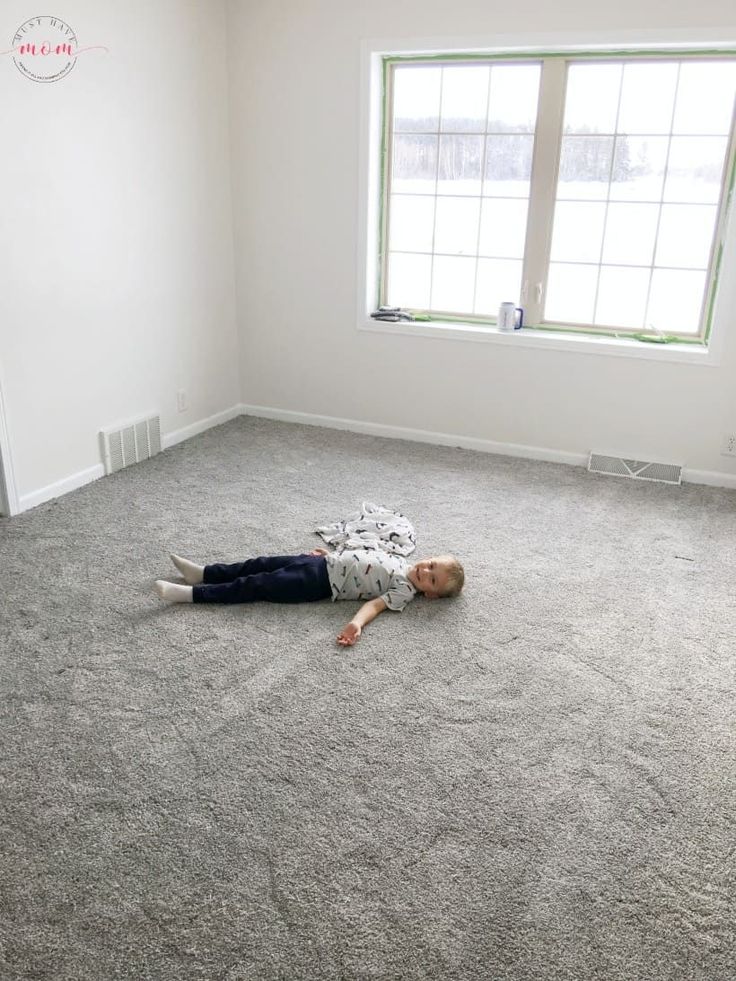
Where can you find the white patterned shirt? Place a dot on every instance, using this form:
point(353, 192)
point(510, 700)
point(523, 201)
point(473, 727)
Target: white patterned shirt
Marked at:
point(364, 574)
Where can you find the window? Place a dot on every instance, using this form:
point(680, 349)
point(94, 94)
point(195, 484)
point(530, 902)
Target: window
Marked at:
point(592, 190)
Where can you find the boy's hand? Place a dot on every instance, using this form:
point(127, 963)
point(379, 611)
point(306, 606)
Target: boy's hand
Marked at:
point(349, 635)
point(319, 551)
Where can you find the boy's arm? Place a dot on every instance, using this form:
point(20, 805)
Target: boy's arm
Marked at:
point(368, 611)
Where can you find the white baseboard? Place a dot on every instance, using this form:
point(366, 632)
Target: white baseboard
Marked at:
point(711, 478)
point(76, 480)
point(179, 435)
point(61, 487)
point(420, 435)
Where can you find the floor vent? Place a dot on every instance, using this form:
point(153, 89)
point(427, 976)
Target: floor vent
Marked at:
point(616, 466)
point(125, 445)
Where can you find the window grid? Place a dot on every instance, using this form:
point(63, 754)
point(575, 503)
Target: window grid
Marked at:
point(484, 194)
point(608, 197)
point(728, 169)
point(659, 213)
point(482, 182)
point(616, 136)
point(436, 182)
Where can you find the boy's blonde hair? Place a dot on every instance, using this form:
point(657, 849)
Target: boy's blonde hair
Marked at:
point(455, 576)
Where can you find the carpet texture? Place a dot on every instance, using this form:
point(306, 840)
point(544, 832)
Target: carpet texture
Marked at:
point(532, 781)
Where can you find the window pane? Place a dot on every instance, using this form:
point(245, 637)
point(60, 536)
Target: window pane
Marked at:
point(657, 206)
point(705, 98)
point(508, 166)
point(464, 99)
point(417, 98)
point(578, 231)
point(453, 282)
point(499, 281)
point(456, 225)
point(630, 233)
point(647, 98)
point(585, 167)
point(685, 235)
point(570, 293)
point(412, 223)
point(409, 278)
point(638, 167)
point(503, 227)
point(514, 96)
point(622, 297)
point(462, 148)
point(592, 98)
point(675, 300)
point(639, 184)
point(415, 164)
point(695, 168)
point(461, 160)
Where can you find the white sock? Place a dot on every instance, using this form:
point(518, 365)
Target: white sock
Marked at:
point(191, 572)
point(173, 592)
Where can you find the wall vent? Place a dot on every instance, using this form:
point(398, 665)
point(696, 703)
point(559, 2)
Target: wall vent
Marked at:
point(135, 441)
point(616, 466)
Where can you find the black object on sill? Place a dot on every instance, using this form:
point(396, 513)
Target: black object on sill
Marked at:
point(392, 314)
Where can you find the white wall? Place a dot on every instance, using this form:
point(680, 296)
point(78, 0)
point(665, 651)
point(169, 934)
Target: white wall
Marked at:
point(296, 115)
point(117, 262)
point(117, 279)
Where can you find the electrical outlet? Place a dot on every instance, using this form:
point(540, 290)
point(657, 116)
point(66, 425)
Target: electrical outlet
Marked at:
point(181, 401)
point(728, 447)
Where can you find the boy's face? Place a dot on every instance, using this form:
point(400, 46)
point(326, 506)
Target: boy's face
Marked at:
point(430, 576)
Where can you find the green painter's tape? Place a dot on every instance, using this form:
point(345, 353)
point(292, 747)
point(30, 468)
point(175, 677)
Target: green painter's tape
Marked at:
point(384, 126)
point(561, 329)
point(714, 288)
point(616, 53)
point(713, 292)
point(655, 338)
point(618, 335)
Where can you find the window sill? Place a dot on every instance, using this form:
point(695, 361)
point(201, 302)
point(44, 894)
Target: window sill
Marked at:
point(547, 339)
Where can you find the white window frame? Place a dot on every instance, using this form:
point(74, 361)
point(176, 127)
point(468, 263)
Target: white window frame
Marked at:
point(372, 160)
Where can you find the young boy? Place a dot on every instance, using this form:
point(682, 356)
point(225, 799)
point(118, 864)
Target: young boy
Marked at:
point(385, 580)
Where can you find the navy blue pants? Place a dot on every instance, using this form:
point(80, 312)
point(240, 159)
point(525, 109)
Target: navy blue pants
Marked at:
point(273, 578)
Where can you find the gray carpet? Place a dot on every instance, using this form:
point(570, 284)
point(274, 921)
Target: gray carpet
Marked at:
point(532, 781)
